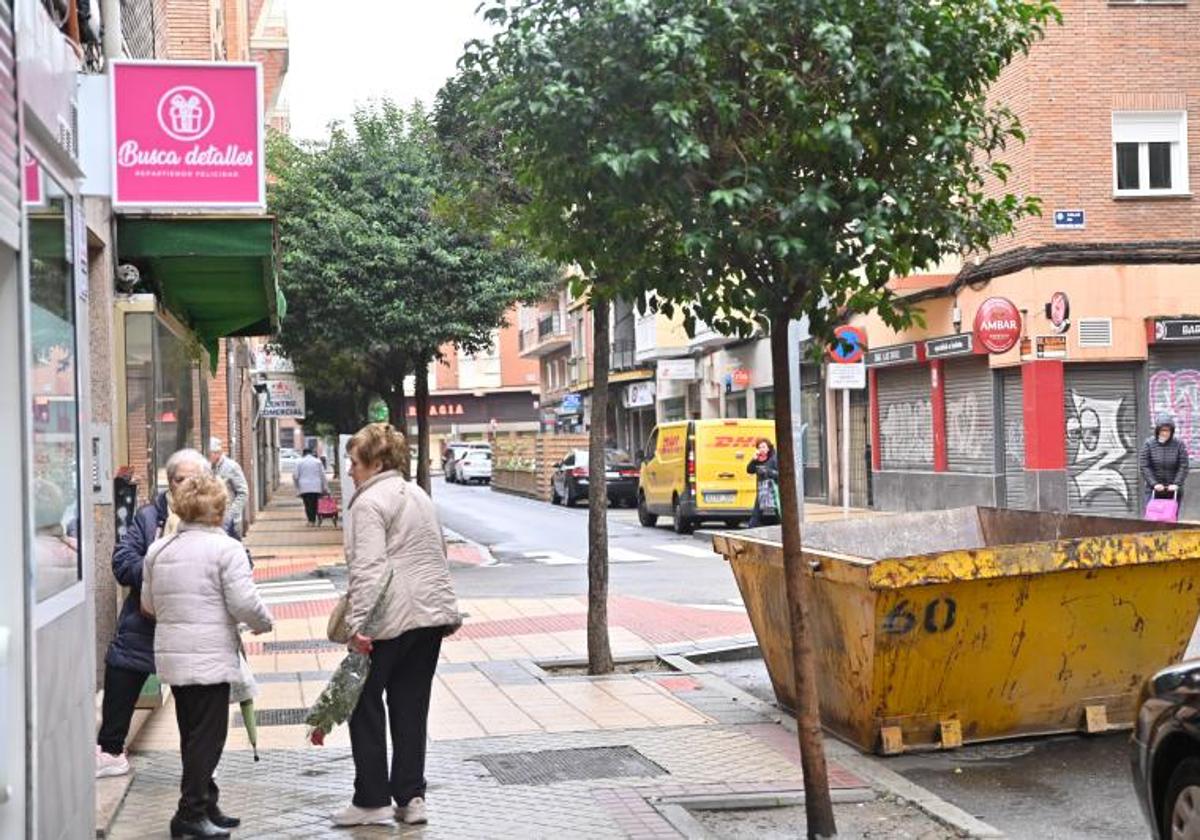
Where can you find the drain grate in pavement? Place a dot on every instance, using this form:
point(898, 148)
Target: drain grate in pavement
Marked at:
point(546, 767)
point(300, 646)
point(275, 717)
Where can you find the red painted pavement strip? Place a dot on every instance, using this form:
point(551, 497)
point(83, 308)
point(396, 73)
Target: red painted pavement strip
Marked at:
point(293, 569)
point(678, 685)
point(303, 609)
point(785, 743)
point(465, 554)
point(657, 622)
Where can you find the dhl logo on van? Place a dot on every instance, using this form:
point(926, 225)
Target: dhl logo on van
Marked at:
point(671, 445)
point(738, 442)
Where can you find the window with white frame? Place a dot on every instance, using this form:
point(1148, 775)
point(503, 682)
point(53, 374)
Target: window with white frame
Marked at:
point(1149, 153)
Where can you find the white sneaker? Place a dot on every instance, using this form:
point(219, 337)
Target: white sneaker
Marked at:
point(414, 813)
point(353, 815)
point(110, 765)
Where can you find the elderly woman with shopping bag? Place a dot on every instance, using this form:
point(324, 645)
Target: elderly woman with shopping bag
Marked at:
point(198, 587)
point(399, 606)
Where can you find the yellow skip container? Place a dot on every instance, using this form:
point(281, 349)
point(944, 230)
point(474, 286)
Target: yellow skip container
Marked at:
point(935, 629)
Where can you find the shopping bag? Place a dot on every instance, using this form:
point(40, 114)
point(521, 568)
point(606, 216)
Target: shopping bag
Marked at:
point(1163, 510)
point(327, 506)
point(768, 498)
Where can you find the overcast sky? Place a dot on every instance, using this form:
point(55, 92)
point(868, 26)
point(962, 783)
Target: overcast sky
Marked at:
point(353, 51)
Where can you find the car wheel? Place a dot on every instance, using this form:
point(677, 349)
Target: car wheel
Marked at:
point(683, 524)
point(555, 499)
point(568, 496)
point(1181, 805)
point(645, 517)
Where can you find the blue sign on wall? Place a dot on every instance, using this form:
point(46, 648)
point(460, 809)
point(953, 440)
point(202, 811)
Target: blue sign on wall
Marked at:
point(571, 404)
point(1069, 219)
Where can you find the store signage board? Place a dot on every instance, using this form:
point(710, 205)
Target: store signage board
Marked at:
point(849, 346)
point(894, 355)
point(676, 370)
point(950, 345)
point(639, 394)
point(285, 398)
point(187, 134)
point(1177, 329)
point(571, 404)
point(997, 325)
point(1051, 346)
point(1069, 219)
point(846, 377)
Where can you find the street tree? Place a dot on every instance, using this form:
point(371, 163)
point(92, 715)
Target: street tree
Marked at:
point(374, 273)
point(792, 157)
point(534, 116)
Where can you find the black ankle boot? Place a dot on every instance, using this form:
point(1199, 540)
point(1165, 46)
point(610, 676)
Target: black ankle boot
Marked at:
point(221, 820)
point(202, 827)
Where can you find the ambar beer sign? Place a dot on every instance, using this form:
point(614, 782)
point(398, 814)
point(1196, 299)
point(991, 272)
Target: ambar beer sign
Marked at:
point(998, 325)
point(187, 134)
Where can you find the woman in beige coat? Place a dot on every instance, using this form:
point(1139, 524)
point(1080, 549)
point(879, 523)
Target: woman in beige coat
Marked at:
point(198, 586)
point(392, 525)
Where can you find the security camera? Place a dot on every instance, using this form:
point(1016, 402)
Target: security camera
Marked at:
point(128, 278)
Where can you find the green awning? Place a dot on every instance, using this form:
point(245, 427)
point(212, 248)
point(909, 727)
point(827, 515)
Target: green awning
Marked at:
point(215, 273)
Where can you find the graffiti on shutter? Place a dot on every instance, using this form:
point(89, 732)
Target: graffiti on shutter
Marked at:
point(1013, 419)
point(1175, 389)
point(970, 438)
point(905, 418)
point(1101, 410)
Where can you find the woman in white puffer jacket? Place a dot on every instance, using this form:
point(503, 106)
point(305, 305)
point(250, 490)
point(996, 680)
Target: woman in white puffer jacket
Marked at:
point(198, 586)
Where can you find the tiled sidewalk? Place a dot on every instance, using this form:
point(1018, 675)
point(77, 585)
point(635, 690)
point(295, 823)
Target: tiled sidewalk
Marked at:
point(693, 736)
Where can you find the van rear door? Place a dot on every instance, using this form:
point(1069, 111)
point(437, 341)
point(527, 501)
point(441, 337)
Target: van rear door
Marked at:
point(723, 449)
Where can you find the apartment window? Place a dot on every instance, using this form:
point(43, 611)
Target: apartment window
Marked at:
point(1150, 153)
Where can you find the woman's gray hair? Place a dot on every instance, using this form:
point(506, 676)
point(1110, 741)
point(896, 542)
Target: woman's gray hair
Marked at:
point(182, 457)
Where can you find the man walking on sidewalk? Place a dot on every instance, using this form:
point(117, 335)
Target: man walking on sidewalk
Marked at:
point(230, 472)
point(311, 483)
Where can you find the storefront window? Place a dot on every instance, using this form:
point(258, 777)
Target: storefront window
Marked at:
point(673, 409)
point(54, 387)
point(166, 401)
point(764, 403)
point(735, 405)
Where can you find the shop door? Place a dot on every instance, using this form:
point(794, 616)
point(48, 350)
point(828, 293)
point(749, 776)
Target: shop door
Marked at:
point(1174, 388)
point(1102, 440)
point(970, 420)
point(1012, 421)
point(860, 456)
point(905, 418)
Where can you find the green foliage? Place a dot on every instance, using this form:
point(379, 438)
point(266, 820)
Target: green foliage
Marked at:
point(377, 281)
point(753, 161)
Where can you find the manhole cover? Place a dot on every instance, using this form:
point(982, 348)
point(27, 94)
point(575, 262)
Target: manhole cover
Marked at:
point(276, 717)
point(992, 752)
point(549, 766)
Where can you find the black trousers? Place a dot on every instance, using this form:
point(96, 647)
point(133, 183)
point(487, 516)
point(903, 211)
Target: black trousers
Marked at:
point(121, 689)
point(310, 505)
point(403, 667)
point(202, 712)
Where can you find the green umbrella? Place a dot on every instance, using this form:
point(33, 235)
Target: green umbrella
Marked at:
point(250, 721)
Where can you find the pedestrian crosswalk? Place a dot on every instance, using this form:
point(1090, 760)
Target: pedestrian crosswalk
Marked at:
point(620, 554)
point(292, 591)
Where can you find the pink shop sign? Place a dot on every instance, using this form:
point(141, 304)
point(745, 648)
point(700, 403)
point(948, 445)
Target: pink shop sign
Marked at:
point(187, 134)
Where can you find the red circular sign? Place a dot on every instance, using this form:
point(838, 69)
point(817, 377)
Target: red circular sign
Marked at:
point(998, 325)
point(849, 346)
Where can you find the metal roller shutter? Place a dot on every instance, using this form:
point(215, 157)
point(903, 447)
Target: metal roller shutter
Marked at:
point(10, 156)
point(1102, 440)
point(905, 418)
point(1012, 410)
point(970, 419)
point(1174, 388)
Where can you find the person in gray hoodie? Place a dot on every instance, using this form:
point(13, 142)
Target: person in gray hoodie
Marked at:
point(1164, 460)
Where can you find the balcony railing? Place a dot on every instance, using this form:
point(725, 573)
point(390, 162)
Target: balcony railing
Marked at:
point(546, 336)
point(623, 355)
point(549, 325)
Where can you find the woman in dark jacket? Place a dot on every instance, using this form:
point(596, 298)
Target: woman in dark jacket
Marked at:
point(130, 659)
point(1164, 461)
point(764, 465)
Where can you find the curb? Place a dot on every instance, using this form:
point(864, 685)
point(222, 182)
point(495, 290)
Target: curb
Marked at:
point(869, 769)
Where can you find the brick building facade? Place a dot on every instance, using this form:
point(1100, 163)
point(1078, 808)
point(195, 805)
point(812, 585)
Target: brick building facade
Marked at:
point(1105, 284)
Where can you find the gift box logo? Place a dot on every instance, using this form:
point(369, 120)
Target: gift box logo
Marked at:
point(186, 113)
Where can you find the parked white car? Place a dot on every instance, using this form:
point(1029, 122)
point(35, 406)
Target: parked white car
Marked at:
point(475, 465)
point(454, 454)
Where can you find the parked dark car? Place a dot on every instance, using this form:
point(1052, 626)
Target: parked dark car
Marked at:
point(569, 484)
point(1166, 752)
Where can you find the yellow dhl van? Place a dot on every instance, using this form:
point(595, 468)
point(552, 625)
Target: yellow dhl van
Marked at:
point(696, 469)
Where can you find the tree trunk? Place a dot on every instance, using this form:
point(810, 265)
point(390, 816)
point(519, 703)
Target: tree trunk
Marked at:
point(397, 403)
point(599, 652)
point(817, 802)
point(422, 390)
